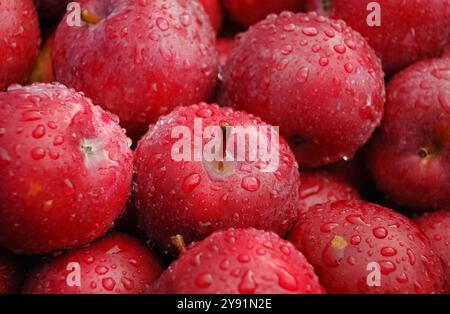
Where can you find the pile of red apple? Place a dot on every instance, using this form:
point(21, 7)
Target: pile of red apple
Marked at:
point(91, 200)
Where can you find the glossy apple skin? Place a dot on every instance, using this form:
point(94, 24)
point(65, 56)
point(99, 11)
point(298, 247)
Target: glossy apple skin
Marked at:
point(240, 261)
point(320, 187)
point(214, 10)
point(249, 12)
point(10, 273)
point(115, 264)
point(20, 40)
point(193, 199)
point(326, 92)
point(167, 57)
point(340, 240)
point(410, 157)
point(436, 226)
point(66, 168)
point(410, 31)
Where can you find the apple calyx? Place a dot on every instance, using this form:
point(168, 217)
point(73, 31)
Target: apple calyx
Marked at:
point(178, 242)
point(89, 17)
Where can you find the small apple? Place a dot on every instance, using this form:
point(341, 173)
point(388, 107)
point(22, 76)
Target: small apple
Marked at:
point(436, 226)
point(66, 168)
point(20, 40)
point(316, 78)
point(408, 31)
point(142, 69)
point(359, 247)
point(115, 264)
point(195, 195)
point(240, 261)
point(320, 187)
point(410, 156)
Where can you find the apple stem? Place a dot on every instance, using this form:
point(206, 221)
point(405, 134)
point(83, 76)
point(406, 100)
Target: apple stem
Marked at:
point(178, 242)
point(89, 17)
point(224, 127)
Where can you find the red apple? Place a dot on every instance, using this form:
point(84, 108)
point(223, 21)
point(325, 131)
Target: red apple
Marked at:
point(20, 40)
point(320, 187)
point(140, 70)
point(195, 197)
point(436, 226)
point(115, 264)
point(409, 30)
point(9, 273)
point(315, 78)
point(245, 261)
point(410, 158)
point(214, 10)
point(249, 12)
point(65, 165)
point(359, 247)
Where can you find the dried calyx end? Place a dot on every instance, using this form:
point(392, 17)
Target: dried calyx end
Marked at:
point(441, 137)
point(89, 17)
point(428, 153)
point(178, 242)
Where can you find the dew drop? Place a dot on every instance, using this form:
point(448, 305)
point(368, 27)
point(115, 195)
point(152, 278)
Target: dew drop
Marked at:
point(191, 182)
point(38, 153)
point(247, 284)
point(328, 227)
point(185, 19)
point(302, 74)
point(39, 131)
point(250, 184)
point(388, 251)
point(162, 24)
point(204, 113)
point(204, 280)
point(323, 61)
point(58, 140)
point(355, 240)
point(348, 68)
point(340, 49)
point(286, 280)
point(5, 158)
point(108, 283)
point(310, 31)
point(387, 267)
point(68, 187)
point(380, 232)
point(286, 49)
point(411, 257)
point(289, 27)
point(127, 283)
point(101, 270)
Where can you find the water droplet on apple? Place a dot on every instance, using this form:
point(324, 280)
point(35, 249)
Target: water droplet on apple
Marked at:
point(250, 183)
point(191, 182)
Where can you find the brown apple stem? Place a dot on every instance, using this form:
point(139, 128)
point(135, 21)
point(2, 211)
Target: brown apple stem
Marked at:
point(224, 127)
point(178, 242)
point(89, 17)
